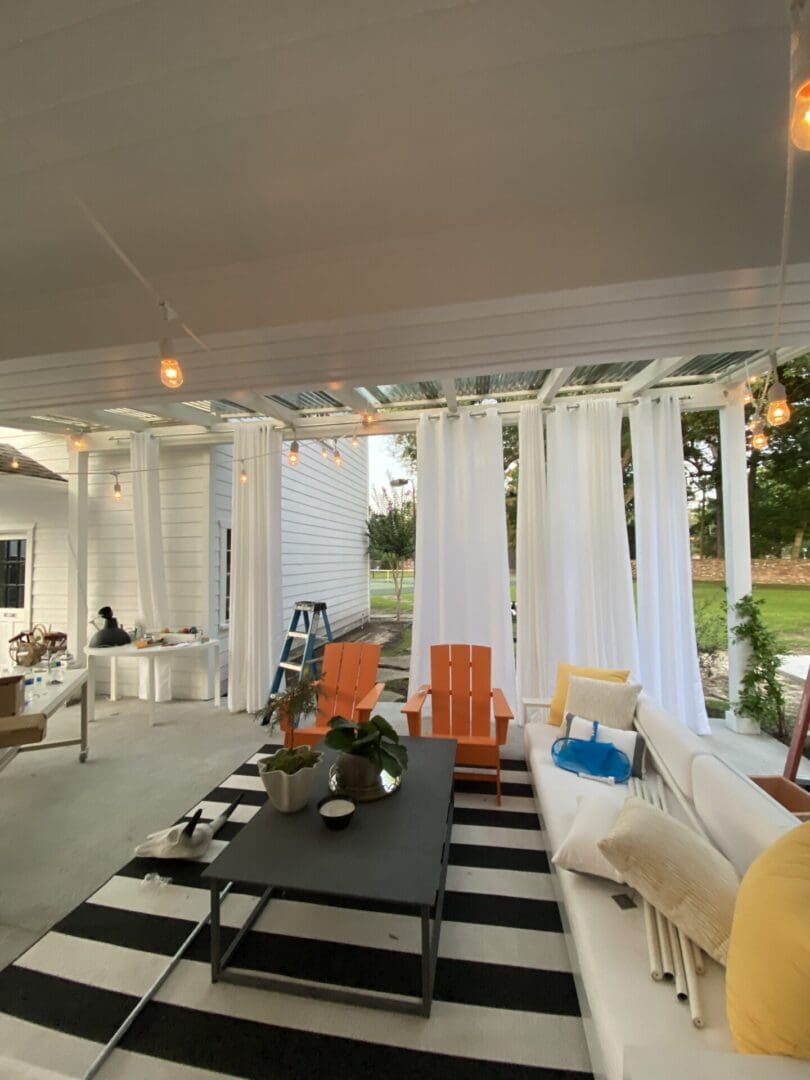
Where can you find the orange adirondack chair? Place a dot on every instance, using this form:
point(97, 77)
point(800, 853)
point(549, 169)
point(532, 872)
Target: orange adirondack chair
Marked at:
point(464, 702)
point(346, 687)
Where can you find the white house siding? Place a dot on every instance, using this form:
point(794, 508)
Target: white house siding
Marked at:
point(323, 531)
point(323, 536)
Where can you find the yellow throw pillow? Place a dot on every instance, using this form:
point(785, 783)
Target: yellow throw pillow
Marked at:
point(557, 710)
point(768, 974)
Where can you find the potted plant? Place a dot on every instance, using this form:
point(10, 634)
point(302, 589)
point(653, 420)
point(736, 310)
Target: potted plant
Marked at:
point(288, 775)
point(365, 750)
point(285, 710)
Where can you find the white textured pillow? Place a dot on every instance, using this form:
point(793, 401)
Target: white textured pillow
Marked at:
point(612, 704)
point(630, 742)
point(676, 871)
point(595, 817)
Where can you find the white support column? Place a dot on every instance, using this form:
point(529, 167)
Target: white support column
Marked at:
point(77, 554)
point(737, 536)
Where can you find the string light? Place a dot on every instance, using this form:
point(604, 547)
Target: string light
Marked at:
point(799, 78)
point(171, 372)
point(759, 440)
point(368, 419)
point(355, 442)
point(778, 411)
point(78, 441)
point(15, 463)
point(117, 493)
point(294, 456)
point(243, 476)
point(324, 451)
point(338, 459)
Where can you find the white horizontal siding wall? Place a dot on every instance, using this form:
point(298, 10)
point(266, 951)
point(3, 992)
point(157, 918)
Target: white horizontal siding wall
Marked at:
point(40, 505)
point(324, 509)
point(324, 547)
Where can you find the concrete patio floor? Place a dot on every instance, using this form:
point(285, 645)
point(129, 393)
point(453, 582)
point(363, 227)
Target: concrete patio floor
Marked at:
point(68, 827)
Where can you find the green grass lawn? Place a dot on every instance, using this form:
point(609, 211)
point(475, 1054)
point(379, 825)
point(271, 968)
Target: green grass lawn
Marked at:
point(786, 609)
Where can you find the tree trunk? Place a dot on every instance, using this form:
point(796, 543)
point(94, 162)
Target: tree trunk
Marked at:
point(798, 540)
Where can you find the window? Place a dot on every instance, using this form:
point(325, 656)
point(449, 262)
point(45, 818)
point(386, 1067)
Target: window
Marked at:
point(12, 572)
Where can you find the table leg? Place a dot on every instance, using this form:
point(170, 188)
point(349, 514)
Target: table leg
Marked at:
point(427, 979)
point(216, 947)
point(83, 747)
point(217, 674)
point(90, 689)
point(113, 679)
point(151, 686)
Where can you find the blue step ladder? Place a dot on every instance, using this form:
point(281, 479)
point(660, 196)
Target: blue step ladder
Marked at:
point(310, 611)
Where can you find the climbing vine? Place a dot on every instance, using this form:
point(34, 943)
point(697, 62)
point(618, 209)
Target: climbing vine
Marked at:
point(761, 696)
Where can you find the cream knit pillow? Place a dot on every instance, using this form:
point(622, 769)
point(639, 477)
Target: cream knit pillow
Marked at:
point(676, 871)
point(611, 703)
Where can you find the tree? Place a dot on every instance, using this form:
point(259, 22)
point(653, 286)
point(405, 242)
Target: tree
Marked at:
point(761, 695)
point(392, 534)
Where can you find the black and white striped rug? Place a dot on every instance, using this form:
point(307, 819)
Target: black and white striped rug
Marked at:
point(505, 1007)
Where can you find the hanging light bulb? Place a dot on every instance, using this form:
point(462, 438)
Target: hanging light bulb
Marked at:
point(293, 457)
point(800, 77)
point(78, 441)
point(778, 411)
point(171, 373)
point(368, 419)
point(117, 493)
point(243, 476)
point(355, 442)
point(15, 463)
point(324, 451)
point(759, 440)
point(338, 459)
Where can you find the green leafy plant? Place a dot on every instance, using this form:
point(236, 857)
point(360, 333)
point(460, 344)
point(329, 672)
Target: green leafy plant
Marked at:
point(373, 739)
point(391, 532)
point(761, 696)
point(285, 710)
point(710, 631)
point(290, 761)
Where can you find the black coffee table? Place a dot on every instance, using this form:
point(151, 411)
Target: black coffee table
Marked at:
point(394, 852)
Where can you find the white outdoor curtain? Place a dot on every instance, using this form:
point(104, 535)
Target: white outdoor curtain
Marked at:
point(590, 604)
point(535, 672)
point(153, 603)
point(666, 620)
point(462, 565)
point(255, 610)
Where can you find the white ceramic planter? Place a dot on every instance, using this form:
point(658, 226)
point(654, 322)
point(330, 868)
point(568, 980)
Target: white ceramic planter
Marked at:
point(289, 792)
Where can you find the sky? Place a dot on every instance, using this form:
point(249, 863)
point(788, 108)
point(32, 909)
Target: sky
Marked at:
point(383, 462)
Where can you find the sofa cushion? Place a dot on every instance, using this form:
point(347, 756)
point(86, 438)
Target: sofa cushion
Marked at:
point(738, 816)
point(557, 708)
point(595, 817)
point(768, 979)
point(670, 742)
point(612, 704)
point(677, 871)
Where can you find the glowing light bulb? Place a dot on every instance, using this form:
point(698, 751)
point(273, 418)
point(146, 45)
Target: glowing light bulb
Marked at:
point(117, 493)
point(338, 458)
point(171, 373)
point(243, 476)
point(800, 117)
point(759, 440)
point(355, 442)
point(778, 411)
point(324, 453)
point(78, 442)
point(15, 463)
point(294, 457)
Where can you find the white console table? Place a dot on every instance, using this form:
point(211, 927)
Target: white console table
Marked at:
point(210, 648)
point(53, 697)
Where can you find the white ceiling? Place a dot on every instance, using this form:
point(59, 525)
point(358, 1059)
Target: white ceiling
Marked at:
point(273, 163)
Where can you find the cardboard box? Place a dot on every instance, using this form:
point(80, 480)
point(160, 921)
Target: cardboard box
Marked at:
point(12, 694)
point(19, 730)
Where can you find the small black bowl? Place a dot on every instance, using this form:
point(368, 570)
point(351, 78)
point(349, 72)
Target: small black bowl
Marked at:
point(336, 811)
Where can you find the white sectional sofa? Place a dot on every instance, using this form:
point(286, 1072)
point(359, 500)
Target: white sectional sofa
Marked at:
point(636, 1028)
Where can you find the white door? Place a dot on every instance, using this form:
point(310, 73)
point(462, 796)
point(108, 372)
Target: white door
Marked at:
point(15, 587)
